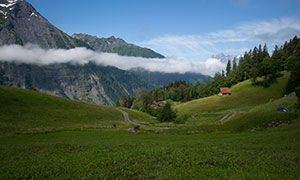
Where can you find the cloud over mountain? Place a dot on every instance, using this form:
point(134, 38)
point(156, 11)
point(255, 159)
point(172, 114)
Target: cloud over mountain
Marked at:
point(32, 54)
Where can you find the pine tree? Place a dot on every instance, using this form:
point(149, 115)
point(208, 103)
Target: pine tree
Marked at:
point(223, 73)
point(228, 68)
point(265, 52)
point(234, 65)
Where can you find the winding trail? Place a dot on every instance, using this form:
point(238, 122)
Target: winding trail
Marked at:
point(126, 118)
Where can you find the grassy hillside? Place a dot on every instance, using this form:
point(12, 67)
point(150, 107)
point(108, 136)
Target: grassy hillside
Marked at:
point(30, 111)
point(98, 151)
point(244, 95)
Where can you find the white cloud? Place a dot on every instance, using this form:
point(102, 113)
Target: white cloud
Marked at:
point(241, 37)
point(31, 54)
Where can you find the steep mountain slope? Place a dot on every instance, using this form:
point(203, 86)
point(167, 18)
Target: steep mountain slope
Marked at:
point(20, 23)
point(116, 45)
point(90, 82)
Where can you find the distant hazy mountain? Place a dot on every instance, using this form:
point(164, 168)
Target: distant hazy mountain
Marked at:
point(116, 45)
point(20, 23)
point(224, 58)
point(158, 79)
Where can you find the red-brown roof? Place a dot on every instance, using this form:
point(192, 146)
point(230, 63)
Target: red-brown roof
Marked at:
point(224, 90)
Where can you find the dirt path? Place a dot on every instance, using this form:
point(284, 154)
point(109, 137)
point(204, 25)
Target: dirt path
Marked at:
point(126, 118)
point(227, 116)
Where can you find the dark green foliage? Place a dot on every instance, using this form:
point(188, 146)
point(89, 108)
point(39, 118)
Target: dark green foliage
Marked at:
point(297, 90)
point(228, 68)
point(166, 114)
point(258, 63)
point(234, 65)
point(143, 101)
point(137, 128)
point(181, 119)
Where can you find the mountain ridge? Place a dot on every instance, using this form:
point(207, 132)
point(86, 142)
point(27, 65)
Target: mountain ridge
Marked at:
point(116, 45)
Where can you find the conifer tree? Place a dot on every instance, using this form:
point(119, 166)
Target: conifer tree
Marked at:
point(228, 68)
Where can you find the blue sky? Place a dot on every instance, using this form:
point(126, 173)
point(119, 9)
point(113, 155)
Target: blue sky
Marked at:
point(188, 29)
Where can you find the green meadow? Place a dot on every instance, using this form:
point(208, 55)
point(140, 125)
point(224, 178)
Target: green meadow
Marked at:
point(46, 137)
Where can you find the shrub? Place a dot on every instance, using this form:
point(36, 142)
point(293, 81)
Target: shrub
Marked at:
point(181, 119)
point(166, 114)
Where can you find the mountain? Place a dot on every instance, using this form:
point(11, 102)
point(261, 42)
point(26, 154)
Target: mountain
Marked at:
point(159, 79)
point(224, 58)
point(20, 24)
point(90, 82)
point(116, 45)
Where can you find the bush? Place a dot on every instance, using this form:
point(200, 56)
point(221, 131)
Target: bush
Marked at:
point(181, 119)
point(136, 128)
point(166, 114)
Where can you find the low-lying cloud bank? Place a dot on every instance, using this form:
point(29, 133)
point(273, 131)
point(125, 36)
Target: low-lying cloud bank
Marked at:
point(32, 54)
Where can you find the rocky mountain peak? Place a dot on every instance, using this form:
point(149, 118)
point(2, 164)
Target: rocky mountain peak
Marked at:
point(20, 24)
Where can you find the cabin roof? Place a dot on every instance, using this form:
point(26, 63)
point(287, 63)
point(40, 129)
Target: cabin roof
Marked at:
point(224, 90)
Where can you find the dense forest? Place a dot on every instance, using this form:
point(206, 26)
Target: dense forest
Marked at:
point(254, 64)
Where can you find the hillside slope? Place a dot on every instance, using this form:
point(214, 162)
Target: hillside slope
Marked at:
point(243, 95)
point(24, 110)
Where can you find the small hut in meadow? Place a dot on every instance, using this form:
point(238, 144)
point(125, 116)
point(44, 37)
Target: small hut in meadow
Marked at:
point(224, 92)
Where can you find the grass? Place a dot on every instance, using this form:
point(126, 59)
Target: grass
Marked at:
point(30, 111)
point(116, 154)
point(288, 101)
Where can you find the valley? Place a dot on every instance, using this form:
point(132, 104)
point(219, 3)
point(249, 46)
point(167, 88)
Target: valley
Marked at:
point(84, 106)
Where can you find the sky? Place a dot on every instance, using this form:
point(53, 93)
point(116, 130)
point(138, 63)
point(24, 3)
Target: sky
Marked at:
point(187, 29)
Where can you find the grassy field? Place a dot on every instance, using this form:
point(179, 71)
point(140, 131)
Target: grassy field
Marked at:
point(45, 137)
point(116, 154)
